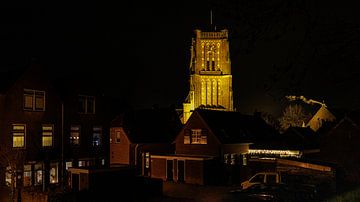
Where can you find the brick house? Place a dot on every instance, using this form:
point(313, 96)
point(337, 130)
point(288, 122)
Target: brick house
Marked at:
point(30, 124)
point(137, 133)
point(212, 147)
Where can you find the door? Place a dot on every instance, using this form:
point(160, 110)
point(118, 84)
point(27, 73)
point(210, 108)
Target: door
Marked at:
point(181, 171)
point(75, 182)
point(169, 170)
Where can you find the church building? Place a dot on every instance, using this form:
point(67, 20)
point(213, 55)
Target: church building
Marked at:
point(210, 73)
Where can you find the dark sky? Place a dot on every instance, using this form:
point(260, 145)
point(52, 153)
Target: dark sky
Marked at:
point(139, 50)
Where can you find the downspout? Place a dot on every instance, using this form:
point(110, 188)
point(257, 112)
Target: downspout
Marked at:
point(62, 147)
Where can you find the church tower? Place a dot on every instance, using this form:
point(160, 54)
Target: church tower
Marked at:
point(210, 73)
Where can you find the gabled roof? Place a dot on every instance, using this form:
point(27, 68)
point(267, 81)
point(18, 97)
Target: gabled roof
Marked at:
point(157, 125)
point(234, 127)
point(299, 138)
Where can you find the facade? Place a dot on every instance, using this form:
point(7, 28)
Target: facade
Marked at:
point(340, 146)
point(210, 73)
point(212, 147)
point(30, 125)
point(136, 134)
point(48, 127)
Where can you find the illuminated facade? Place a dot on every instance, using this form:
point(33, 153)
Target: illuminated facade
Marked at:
point(210, 73)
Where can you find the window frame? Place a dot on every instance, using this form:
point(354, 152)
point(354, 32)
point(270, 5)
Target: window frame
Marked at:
point(34, 94)
point(117, 140)
point(17, 132)
point(86, 99)
point(99, 131)
point(47, 131)
point(75, 141)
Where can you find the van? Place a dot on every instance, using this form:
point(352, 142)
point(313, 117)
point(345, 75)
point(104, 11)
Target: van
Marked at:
point(260, 178)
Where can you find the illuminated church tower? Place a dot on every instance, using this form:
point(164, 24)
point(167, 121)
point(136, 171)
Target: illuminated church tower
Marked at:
point(210, 73)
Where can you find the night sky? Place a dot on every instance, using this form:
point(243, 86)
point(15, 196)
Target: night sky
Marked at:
point(139, 50)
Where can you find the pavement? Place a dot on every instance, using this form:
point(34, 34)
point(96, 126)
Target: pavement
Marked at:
point(174, 192)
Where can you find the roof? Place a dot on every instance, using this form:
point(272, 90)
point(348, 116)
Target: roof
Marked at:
point(8, 78)
point(235, 127)
point(299, 138)
point(156, 125)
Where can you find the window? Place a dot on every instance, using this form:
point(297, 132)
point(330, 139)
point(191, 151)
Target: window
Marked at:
point(38, 174)
point(233, 159)
point(117, 136)
point(27, 175)
point(34, 100)
point(81, 163)
point(75, 135)
point(86, 104)
point(147, 160)
point(18, 131)
point(68, 165)
point(244, 160)
point(258, 178)
point(195, 136)
point(54, 173)
point(226, 158)
point(270, 178)
point(47, 135)
point(97, 135)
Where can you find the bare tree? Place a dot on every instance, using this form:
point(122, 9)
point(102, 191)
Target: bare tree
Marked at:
point(13, 161)
point(293, 116)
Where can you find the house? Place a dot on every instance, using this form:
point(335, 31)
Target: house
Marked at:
point(340, 146)
point(48, 126)
point(86, 122)
point(211, 147)
point(137, 133)
point(30, 127)
point(295, 142)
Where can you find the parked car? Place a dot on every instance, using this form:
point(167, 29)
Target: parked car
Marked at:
point(262, 178)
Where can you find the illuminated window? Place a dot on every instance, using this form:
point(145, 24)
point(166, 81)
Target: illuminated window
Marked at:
point(117, 136)
point(81, 163)
point(75, 135)
point(53, 173)
point(38, 174)
point(244, 160)
point(47, 135)
point(27, 175)
point(97, 135)
point(198, 136)
point(68, 165)
point(34, 100)
point(147, 160)
point(86, 104)
point(8, 175)
point(226, 158)
point(18, 132)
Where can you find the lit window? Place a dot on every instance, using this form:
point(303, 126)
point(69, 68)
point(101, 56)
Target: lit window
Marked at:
point(8, 176)
point(233, 159)
point(97, 136)
point(198, 136)
point(195, 136)
point(47, 135)
point(86, 104)
point(75, 135)
point(18, 131)
point(54, 173)
point(147, 160)
point(226, 158)
point(27, 175)
point(81, 163)
point(34, 100)
point(68, 165)
point(38, 174)
point(117, 136)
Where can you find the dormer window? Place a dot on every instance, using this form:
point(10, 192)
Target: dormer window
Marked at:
point(86, 104)
point(34, 100)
